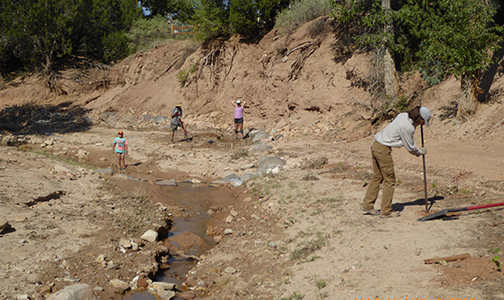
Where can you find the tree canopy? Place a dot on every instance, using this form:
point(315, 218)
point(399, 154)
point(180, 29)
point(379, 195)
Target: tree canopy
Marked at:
point(437, 37)
point(36, 32)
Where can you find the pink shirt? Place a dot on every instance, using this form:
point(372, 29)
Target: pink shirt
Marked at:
point(121, 144)
point(238, 112)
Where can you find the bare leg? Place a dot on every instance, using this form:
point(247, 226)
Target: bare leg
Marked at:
point(236, 129)
point(240, 128)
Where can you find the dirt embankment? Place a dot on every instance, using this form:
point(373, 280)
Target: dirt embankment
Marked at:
point(293, 234)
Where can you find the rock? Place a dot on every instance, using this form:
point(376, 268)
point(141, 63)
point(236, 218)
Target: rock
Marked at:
point(159, 119)
point(134, 246)
point(69, 278)
point(119, 284)
point(230, 270)
point(236, 182)
point(142, 283)
point(150, 236)
point(187, 295)
point(186, 241)
point(192, 181)
point(125, 243)
point(267, 165)
point(171, 182)
point(106, 172)
point(246, 177)
point(234, 213)
point(217, 238)
point(228, 231)
point(78, 291)
point(165, 295)
point(247, 166)
point(260, 147)
point(46, 289)
point(81, 154)
point(229, 219)
point(4, 224)
point(158, 286)
point(258, 135)
point(164, 290)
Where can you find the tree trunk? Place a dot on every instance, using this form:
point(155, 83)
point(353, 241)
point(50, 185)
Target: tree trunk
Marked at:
point(389, 71)
point(469, 91)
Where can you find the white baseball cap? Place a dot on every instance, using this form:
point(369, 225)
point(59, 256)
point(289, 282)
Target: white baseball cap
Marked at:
point(425, 114)
point(238, 101)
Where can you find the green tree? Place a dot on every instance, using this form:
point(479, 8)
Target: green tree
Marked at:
point(212, 20)
point(454, 36)
point(243, 17)
point(35, 33)
point(375, 31)
point(250, 18)
point(458, 34)
point(181, 10)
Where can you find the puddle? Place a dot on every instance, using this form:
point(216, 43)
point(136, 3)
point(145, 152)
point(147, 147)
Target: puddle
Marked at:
point(196, 200)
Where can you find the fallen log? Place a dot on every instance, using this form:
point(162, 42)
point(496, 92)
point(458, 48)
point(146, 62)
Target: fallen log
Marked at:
point(448, 258)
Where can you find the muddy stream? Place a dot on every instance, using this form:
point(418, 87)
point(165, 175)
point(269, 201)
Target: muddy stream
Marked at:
point(200, 204)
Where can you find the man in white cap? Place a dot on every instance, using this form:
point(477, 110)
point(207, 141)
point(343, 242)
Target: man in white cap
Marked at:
point(397, 134)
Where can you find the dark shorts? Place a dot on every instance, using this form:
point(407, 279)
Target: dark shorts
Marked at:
point(239, 121)
point(174, 127)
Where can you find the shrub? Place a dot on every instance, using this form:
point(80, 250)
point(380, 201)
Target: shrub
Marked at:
point(300, 12)
point(147, 33)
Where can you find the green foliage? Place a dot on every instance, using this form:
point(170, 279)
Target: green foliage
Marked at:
point(300, 12)
point(182, 76)
point(294, 296)
point(457, 34)
point(248, 18)
point(454, 36)
point(181, 10)
point(115, 45)
point(37, 32)
point(495, 258)
point(146, 33)
point(212, 20)
point(243, 16)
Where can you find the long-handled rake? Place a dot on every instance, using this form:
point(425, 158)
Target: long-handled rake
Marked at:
point(443, 212)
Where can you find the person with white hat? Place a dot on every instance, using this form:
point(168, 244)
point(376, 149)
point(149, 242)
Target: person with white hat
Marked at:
point(238, 116)
point(397, 134)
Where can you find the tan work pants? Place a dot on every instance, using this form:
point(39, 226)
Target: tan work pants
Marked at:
point(383, 170)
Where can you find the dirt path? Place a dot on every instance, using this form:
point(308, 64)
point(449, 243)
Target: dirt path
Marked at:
point(299, 232)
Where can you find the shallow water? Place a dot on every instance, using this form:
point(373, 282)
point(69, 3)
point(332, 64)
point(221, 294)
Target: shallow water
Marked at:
point(196, 199)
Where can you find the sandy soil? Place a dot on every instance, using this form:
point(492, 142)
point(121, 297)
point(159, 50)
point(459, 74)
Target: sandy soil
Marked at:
point(298, 234)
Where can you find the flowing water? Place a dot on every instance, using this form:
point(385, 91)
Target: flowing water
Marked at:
point(196, 199)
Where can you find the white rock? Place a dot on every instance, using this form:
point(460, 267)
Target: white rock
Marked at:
point(150, 236)
point(119, 284)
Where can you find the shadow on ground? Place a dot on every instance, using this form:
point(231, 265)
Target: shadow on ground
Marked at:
point(44, 119)
point(418, 202)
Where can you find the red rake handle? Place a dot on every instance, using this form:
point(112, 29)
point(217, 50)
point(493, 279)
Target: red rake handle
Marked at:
point(481, 206)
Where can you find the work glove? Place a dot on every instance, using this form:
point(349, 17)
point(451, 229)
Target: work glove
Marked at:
point(423, 150)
